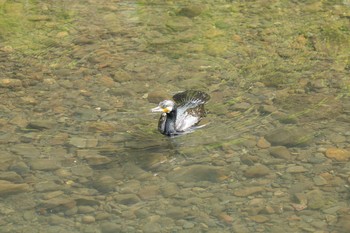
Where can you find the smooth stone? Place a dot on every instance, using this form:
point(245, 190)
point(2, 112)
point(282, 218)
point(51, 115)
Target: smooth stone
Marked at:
point(82, 170)
point(95, 160)
point(289, 136)
point(191, 11)
point(20, 167)
point(88, 219)
point(26, 150)
point(169, 189)
point(102, 126)
point(53, 194)
point(63, 202)
point(267, 109)
point(188, 225)
point(280, 152)
point(338, 154)
point(102, 216)
point(10, 83)
point(127, 199)
point(58, 220)
point(343, 224)
point(263, 143)
point(41, 124)
point(196, 173)
point(259, 218)
point(105, 184)
point(47, 186)
point(11, 176)
point(319, 181)
point(44, 164)
point(83, 142)
point(175, 212)
point(296, 169)
point(257, 171)
point(148, 192)
point(6, 160)
point(85, 209)
point(109, 227)
point(7, 188)
point(243, 192)
point(152, 227)
point(316, 199)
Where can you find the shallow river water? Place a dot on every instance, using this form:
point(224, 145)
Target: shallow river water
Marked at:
point(80, 150)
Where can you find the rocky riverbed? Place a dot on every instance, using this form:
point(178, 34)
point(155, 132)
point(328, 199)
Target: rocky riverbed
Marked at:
point(79, 148)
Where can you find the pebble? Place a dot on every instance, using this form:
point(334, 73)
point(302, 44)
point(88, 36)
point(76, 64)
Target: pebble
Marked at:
point(26, 150)
point(97, 160)
point(196, 173)
point(83, 142)
point(109, 227)
point(263, 143)
point(315, 199)
point(44, 164)
point(280, 152)
point(7, 187)
point(148, 192)
point(127, 199)
point(243, 192)
point(11, 176)
point(88, 219)
point(10, 83)
point(152, 227)
point(6, 159)
point(105, 184)
point(259, 218)
point(85, 209)
point(289, 136)
point(338, 154)
point(296, 169)
point(257, 171)
point(41, 124)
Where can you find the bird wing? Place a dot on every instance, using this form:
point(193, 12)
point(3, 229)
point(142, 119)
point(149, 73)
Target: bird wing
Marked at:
point(190, 108)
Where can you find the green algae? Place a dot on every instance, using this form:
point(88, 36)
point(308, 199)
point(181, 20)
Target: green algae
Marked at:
point(32, 27)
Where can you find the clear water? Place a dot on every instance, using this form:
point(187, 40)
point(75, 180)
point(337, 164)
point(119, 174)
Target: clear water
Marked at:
point(80, 151)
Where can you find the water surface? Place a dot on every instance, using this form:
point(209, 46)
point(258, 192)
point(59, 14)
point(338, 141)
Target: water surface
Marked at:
point(80, 151)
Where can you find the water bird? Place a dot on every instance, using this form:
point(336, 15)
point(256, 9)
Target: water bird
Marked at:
point(182, 115)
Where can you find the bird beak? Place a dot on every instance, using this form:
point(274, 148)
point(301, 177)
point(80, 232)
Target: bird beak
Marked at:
point(157, 109)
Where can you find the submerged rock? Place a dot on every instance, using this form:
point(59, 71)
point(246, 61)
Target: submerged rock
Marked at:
point(196, 173)
point(7, 188)
point(286, 136)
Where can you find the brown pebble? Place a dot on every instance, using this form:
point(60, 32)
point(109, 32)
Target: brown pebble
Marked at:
point(262, 143)
point(259, 218)
point(248, 191)
point(338, 154)
point(88, 219)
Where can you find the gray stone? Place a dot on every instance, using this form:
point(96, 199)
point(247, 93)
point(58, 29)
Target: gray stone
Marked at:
point(7, 188)
point(315, 199)
point(11, 176)
point(280, 152)
point(85, 209)
point(105, 184)
point(127, 199)
point(257, 171)
point(44, 164)
point(25, 150)
point(197, 173)
point(289, 136)
point(110, 227)
point(88, 219)
point(152, 227)
point(41, 124)
point(10, 83)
